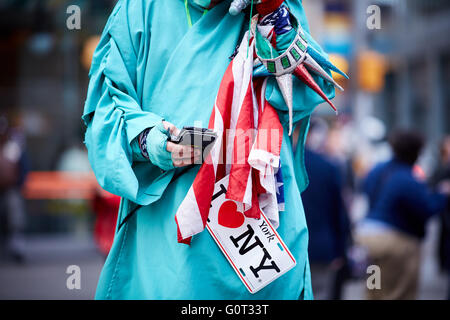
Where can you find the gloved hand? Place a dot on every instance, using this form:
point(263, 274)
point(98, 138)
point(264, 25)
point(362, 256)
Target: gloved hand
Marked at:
point(168, 155)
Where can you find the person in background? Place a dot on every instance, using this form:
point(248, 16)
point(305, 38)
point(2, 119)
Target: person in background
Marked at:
point(327, 219)
point(13, 171)
point(441, 179)
point(399, 208)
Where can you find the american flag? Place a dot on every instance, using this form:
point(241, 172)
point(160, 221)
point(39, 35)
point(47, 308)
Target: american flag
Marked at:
point(247, 149)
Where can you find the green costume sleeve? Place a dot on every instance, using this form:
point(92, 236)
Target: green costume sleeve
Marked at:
point(113, 115)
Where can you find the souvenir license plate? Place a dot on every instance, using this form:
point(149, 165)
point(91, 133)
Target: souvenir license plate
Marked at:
point(253, 247)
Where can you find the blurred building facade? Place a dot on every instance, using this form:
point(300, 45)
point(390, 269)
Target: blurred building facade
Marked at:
point(399, 73)
point(43, 85)
point(43, 81)
point(415, 93)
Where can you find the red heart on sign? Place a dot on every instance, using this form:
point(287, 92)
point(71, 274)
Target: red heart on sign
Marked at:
point(229, 217)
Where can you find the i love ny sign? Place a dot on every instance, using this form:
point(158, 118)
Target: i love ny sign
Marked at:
point(252, 246)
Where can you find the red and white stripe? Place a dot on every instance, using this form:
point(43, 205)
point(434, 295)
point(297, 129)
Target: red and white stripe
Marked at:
point(235, 118)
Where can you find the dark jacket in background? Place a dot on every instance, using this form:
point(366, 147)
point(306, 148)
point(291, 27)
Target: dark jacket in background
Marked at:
point(326, 216)
point(443, 173)
point(399, 200)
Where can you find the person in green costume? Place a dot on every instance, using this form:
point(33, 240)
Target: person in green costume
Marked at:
point(158, 67)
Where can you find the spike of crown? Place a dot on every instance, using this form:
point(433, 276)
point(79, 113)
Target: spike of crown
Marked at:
point(302, 73)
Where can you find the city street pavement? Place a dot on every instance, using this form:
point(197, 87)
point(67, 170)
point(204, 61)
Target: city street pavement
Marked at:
point(43, 275)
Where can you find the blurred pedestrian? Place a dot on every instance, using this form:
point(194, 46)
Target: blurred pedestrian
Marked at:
point(441, 179)
point(399, 208)
point(13, 170)
point(106, 208)
point(328, 222)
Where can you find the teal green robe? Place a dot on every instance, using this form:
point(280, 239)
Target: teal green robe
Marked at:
point(150, 66)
